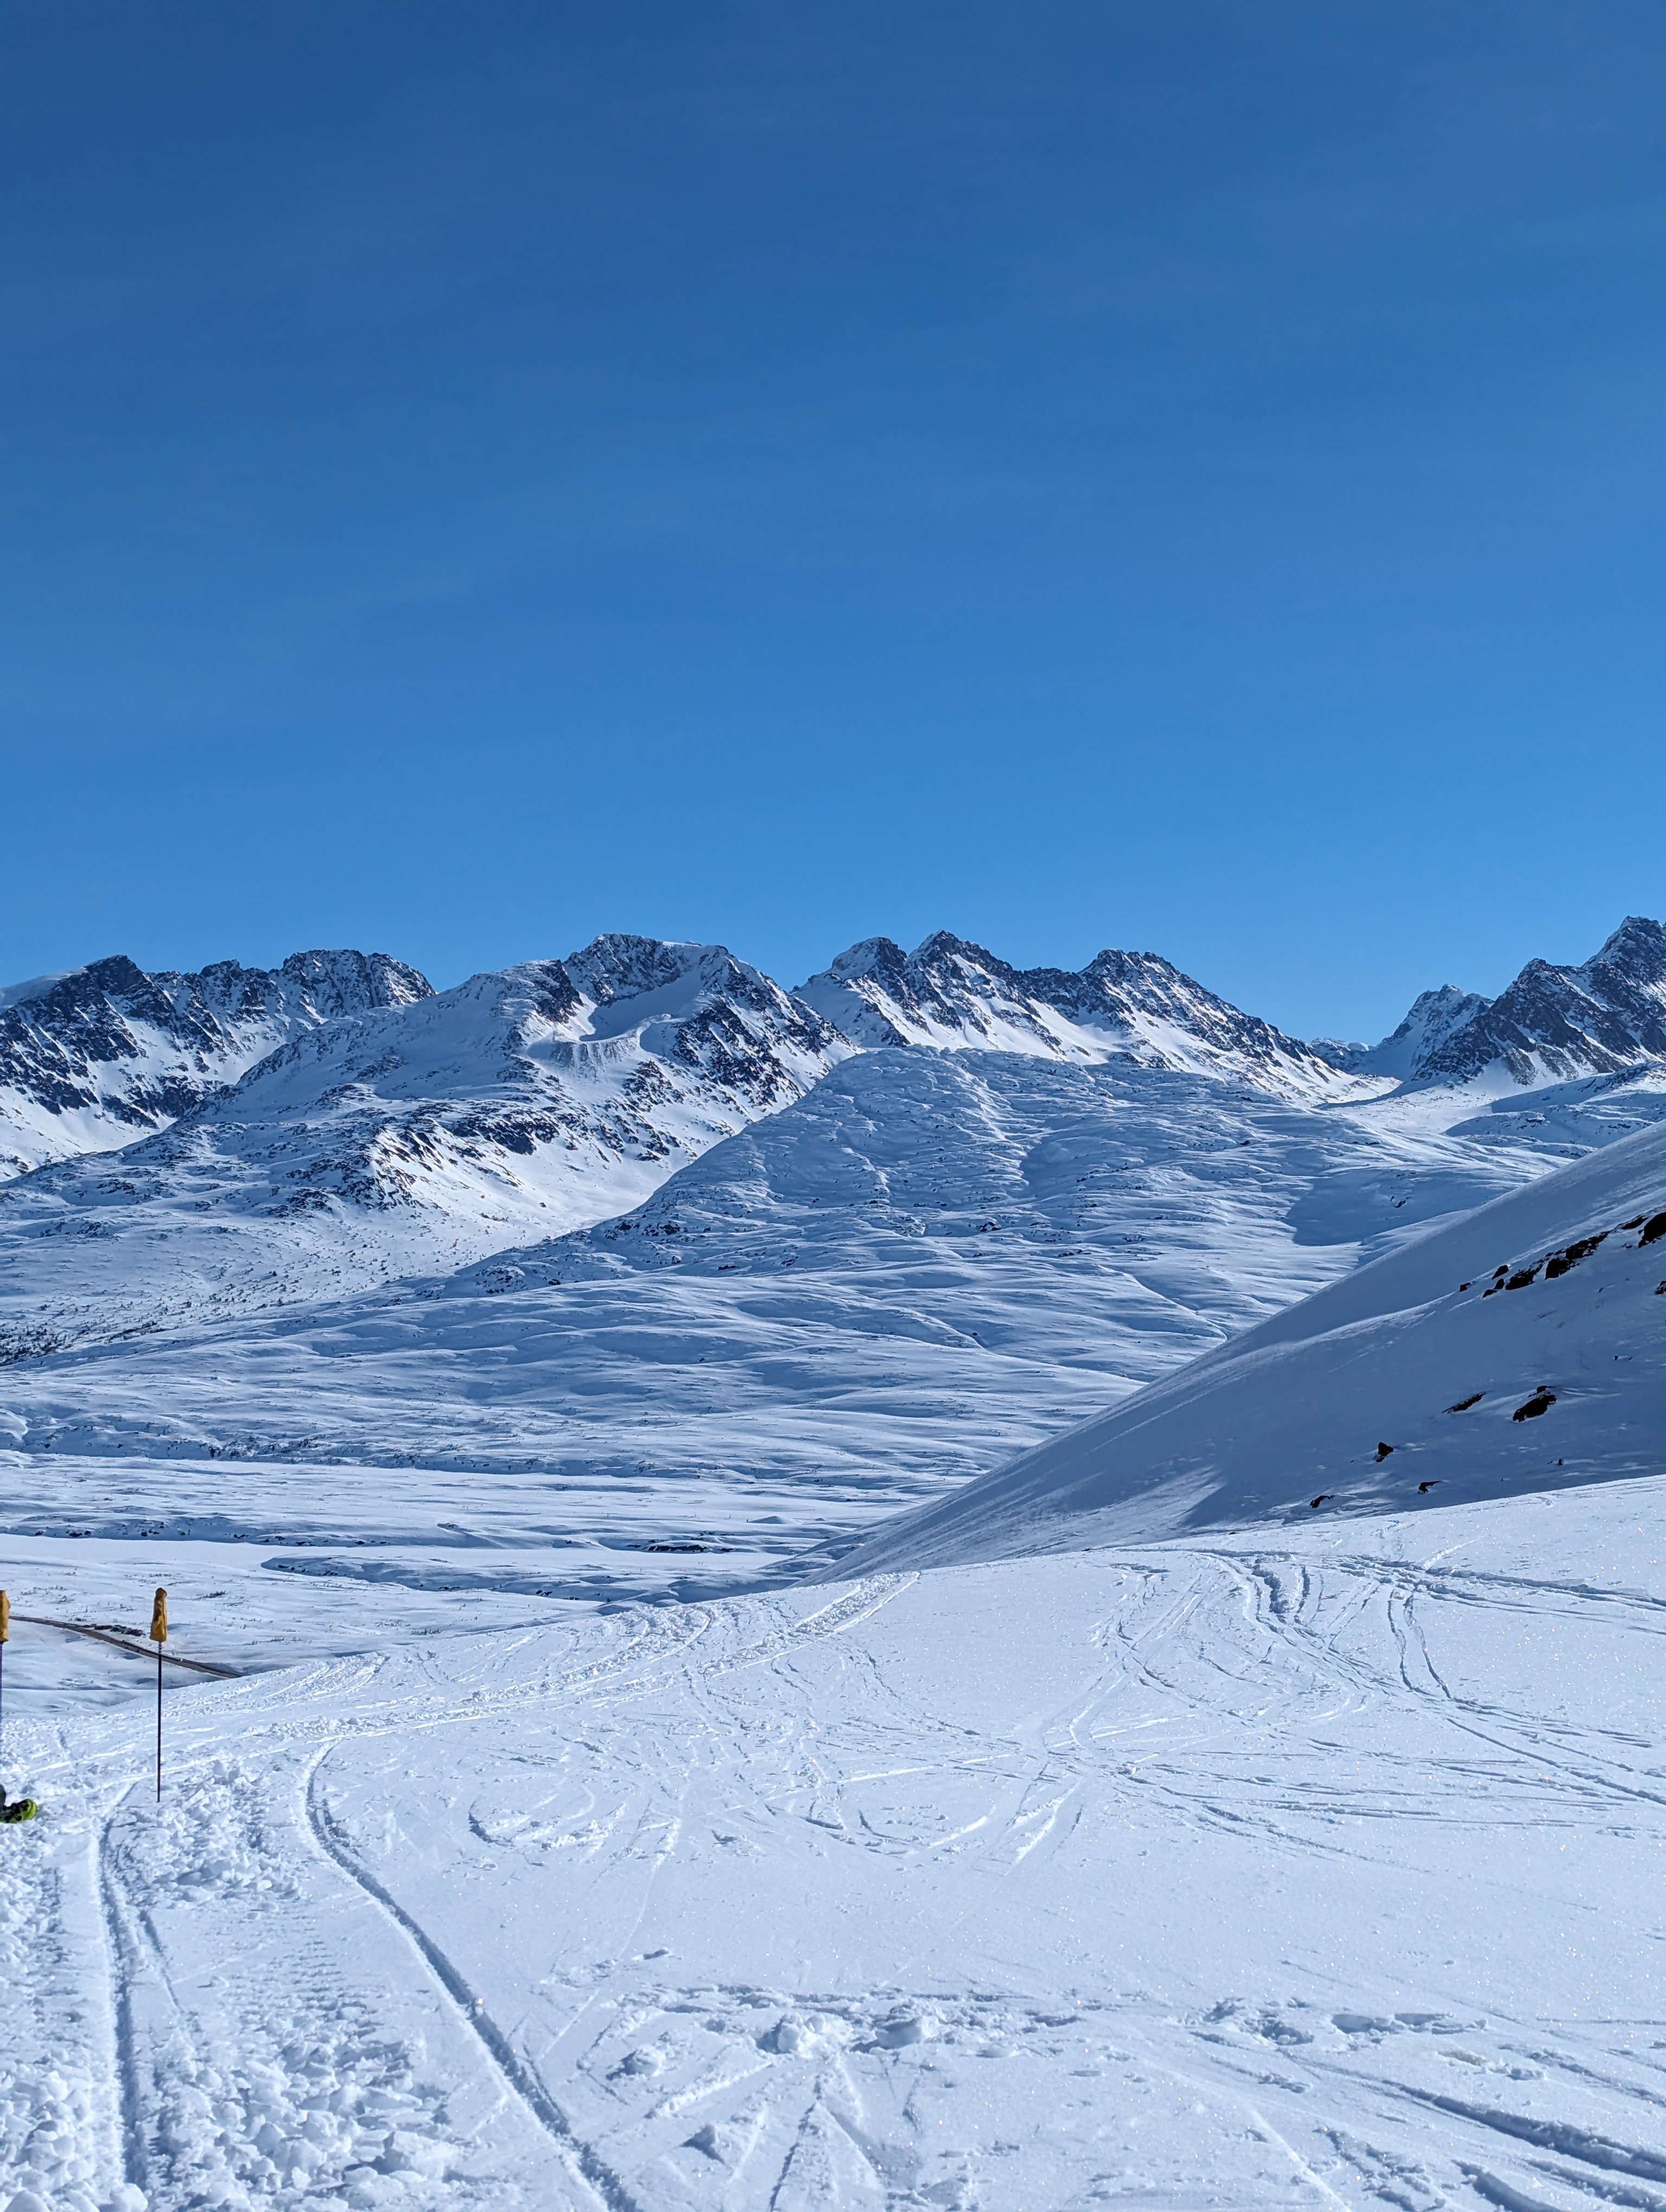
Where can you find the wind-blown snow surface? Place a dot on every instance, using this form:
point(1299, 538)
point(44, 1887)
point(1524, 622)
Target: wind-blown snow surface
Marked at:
point(1521, 1348)
point(1320, 1868)
point(929, 1263)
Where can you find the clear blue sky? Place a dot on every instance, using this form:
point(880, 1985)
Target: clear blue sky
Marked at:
point(1161, 473)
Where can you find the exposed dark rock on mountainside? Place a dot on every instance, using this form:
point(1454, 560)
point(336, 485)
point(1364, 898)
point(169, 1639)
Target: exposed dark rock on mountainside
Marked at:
point(719, 1031)
point(1607, 1016)
point(955, 995)
point(401, 1137)
point(91, 1059)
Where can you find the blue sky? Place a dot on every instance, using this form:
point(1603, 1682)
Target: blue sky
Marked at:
point(1164, 475)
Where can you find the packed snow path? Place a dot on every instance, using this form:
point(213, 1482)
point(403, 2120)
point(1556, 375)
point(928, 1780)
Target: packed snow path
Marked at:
point(1321, 1874)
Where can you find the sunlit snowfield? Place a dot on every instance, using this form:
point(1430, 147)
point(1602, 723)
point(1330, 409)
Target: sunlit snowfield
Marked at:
point(1314, 1874)
point(927, 1265)
point(625, 1804)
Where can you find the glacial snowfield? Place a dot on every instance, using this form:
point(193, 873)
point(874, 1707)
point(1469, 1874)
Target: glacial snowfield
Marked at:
point(830, 1688)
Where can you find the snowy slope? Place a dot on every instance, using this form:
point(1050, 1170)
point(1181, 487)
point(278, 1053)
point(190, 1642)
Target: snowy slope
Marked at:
point(1318, 1869)
point(1522, 1348)
point(383, 1144)
point(954, 996)
point(411, 1138)
point(1285, 1856)
point(871, 1288)
point(92, 1059)
point(926, 1265)
point(393, 1132)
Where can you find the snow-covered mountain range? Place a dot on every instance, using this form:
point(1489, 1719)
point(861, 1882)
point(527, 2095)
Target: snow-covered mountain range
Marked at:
point(643, 1224)
point(406, 1137)
point(338, 1124)
point(1236, 1477)
point(1135, 1006)
point(92, 1059)
point(96, 1058)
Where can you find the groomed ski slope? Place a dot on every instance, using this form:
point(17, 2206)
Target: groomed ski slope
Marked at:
point(1316, 1868)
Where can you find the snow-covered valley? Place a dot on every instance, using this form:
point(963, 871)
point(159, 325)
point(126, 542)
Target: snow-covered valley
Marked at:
point(786, 1653)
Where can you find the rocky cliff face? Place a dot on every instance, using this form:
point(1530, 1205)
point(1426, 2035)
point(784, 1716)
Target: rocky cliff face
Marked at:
point(91, 1059)
point(1552, 1024)
point(955, 996)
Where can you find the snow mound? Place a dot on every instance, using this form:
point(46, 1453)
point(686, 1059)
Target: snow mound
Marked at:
point(1522, 1348)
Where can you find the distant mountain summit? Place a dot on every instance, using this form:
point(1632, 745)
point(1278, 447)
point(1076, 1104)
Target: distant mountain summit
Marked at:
point(573, 1083)
point(1552, 1024)
point(410, 1134)
point(954, 996)
point(94, 1058)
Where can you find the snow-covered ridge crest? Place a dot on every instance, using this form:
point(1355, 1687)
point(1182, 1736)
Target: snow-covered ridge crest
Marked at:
point(954, 996)
point(629, 1050)
point(94, 1057)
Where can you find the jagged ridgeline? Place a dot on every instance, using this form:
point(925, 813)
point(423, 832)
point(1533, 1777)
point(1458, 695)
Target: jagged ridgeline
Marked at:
point(187, 1145)
point(1607, 1016)
point(92, 1059)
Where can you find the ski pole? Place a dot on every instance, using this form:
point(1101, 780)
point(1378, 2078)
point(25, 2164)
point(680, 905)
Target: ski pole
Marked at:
point(159, 1634)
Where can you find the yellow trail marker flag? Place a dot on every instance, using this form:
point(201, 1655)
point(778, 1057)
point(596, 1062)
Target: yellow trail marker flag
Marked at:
point(158, 1637)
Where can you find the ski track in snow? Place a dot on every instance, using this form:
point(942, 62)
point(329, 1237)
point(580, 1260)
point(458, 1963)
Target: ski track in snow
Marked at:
point(1224, 1874)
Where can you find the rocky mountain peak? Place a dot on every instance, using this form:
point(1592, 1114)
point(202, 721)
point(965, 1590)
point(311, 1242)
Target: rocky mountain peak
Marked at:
point(1551, 1023)
point(1634, 954)
point(1433, 1017)
point(336, 983)
point(618, 965)
point(951, 994)
point(92, 1058)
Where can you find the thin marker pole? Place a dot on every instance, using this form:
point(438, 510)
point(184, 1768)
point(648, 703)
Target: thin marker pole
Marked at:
point(159, 1634)
point(5, 1631)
